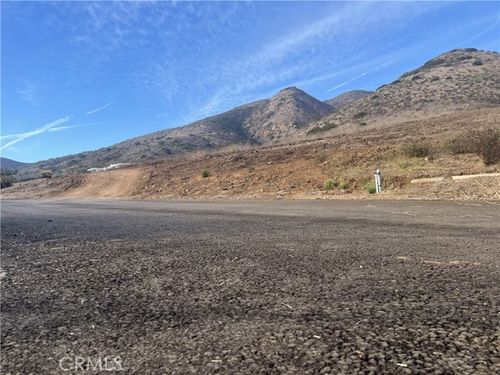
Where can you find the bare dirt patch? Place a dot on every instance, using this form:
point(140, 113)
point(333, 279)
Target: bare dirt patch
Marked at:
point(118, 183)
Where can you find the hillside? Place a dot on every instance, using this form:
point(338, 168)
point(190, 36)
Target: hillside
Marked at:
point(286, 112)
point(258, 122)
point(331, 167)
point(346, 98)
point(456, 80)
point(6, 163)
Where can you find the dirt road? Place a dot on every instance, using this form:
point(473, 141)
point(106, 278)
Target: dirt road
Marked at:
point(274, 287)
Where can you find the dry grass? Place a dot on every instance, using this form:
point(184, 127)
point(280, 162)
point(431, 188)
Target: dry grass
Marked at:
point(482, 142)
point(299, 169)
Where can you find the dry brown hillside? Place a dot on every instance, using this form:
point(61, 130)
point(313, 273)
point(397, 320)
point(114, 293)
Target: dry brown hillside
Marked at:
point(347, 98)
point(332, 167)
point(456, 80)
point(286, 112)
point(262, 121)
point(459, 79)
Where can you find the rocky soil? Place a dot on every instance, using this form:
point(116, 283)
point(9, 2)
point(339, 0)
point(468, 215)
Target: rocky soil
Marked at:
point(252, 287)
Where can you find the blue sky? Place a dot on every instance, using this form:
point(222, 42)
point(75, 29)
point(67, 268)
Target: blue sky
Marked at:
point(77, 76)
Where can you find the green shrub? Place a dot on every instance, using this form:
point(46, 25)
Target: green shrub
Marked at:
point(477, 62)
point(328, 185)
point(7, 178)
point(343, 185)
point(416, 150)
point(370, 187)
point(205, 173)
point(6, 181)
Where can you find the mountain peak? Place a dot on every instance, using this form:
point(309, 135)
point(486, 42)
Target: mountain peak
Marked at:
point(289, 91)
point(285, 113)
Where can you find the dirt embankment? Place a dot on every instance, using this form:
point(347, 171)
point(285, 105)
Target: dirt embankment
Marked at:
point(339, 166)
point(120, 183)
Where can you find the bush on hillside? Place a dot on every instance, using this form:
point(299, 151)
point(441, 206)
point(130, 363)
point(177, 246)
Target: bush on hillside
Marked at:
point(416, 150)
point(320, 129)
point(7, 178)
point(370, 187)
point(482, 142)
point(359, 115)
point(328, 185)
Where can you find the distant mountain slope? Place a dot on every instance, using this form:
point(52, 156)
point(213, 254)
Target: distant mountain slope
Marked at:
point(459, 79)
point(11, 164)
point(212, 132)
point(347, 98)
point(257, 122)
point(284, 113)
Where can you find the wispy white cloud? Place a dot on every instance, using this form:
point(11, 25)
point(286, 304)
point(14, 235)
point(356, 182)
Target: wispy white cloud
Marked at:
point(99, 109)
point(28, 92)
point(348, 81)
point(492, 26)
point(60, 128)
point(15, 138)
point(378, 67)
point(300, 52)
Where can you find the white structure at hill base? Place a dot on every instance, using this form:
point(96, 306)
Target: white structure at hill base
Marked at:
point(111, 166)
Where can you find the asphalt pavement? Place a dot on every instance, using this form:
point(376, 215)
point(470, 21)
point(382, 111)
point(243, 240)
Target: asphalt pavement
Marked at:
point(249, 287)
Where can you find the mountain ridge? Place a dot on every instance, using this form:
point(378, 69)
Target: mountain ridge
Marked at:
point(347, 98)
point(11, 164)
point(456, 79)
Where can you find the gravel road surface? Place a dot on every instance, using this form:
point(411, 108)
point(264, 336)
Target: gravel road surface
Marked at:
point(247, 287)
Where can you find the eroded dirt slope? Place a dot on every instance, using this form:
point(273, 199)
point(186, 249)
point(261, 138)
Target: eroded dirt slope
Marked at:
point(301, 169)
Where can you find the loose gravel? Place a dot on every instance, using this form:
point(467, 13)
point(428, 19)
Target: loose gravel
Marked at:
point(251, 287)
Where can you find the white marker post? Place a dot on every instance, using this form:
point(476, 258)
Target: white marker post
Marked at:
point(378, 181)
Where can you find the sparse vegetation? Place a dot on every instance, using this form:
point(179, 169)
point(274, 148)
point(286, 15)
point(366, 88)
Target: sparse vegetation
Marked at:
point(410, 164)
point(320, 129)
point(482, 142)
point(343, 185)
point(7, 178)
point(359, 115)
point(370, 187)
point(477, 62)
point(205, 173)
point(416, 150)
point(334, 183)
point(328, 185)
